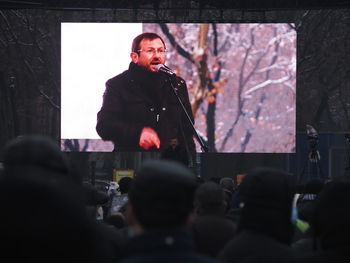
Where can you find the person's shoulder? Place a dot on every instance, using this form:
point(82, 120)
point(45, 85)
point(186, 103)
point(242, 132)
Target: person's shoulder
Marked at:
point(180, 80)
point(180, 84)
point(117, 80)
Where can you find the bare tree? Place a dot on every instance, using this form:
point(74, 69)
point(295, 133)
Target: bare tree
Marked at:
point(207, 83)
point(233, 72)
point(30, 52)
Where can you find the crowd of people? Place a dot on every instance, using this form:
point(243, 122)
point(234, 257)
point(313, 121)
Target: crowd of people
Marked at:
point(165, 214)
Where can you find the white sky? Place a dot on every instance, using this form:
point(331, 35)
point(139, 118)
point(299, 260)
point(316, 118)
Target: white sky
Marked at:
point(91, 53)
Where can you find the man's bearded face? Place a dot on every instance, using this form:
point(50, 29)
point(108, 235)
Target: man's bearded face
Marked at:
point(151, 53)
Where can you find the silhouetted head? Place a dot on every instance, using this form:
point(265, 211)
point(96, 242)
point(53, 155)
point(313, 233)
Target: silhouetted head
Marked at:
point(35, 154)
point(227, 183)
point(124, 184)
point(41, 222)
point(314, 186)
point(162, 194)
point(331, 216)
point(36, 150)
point(210, 199)
point(266, 203)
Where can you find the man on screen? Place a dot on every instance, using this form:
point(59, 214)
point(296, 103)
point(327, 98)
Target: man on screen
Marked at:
point(140, 111)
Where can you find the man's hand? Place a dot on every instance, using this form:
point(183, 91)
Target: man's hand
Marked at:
point(149, 138)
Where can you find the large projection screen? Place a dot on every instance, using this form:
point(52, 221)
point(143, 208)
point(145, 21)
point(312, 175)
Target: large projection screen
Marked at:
point(241, 79)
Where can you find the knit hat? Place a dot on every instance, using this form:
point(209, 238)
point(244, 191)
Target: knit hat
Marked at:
point(35, 151)
point(268, 188)
point(162, 193)
point(331, 214)
point(266, 196)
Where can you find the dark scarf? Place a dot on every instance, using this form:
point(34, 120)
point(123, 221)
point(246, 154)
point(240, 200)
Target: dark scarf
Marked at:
point(151, 83)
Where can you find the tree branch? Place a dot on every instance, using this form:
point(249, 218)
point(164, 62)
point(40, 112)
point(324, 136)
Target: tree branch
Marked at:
point(175, 44)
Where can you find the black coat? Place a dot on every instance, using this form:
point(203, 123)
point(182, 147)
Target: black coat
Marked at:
point(171, 245)
point(264, 229)
point(252, 247)
point(139, 98)
point(335, 255)
point(211, 233)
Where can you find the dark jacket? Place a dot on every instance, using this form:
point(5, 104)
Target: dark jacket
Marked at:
point(139, 98)
point(211, 233)
point(335, 255)
point(330, 224)
point(265, 229)
point(251, 246)
point(162, 245)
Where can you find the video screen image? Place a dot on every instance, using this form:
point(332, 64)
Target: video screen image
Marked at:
point(241, 80)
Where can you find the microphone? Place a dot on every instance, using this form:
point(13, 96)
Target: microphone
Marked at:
point(165, 69)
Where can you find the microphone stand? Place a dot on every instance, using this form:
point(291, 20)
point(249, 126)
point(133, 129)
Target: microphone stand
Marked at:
point(198, 138)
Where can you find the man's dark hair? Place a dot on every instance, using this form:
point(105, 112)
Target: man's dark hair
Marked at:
point(314, 186)
point(266, 196)
point(227, 183)
point(39, 153)
point(162, 194)
point(40, 215)
point(209, 198)
point(331, 216)
point(124, 184)
point(34, 150)
point(137, 40)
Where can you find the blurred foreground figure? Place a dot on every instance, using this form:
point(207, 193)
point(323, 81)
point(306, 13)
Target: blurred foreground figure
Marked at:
point(41, 156)
point(265, 227)
point(44, 223)
point(44, 207)
point(94, 199)
point(211, 230)
point(330, 224)
point(160, 203)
